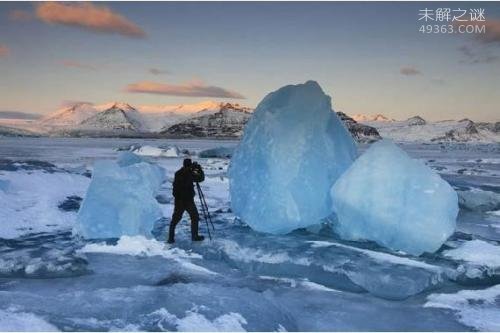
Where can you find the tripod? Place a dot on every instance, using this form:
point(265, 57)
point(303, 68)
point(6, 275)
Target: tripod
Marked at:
point(204, 209)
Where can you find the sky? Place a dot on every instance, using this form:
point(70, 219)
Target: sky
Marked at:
point(370, 57)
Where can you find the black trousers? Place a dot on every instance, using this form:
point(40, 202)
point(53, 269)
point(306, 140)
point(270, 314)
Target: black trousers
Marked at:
point(181, 206)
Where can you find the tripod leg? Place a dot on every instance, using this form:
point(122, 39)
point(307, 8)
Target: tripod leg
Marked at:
point(206, 208)
point(203, 210)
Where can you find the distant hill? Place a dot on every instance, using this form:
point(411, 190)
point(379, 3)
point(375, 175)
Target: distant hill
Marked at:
point(19, 115)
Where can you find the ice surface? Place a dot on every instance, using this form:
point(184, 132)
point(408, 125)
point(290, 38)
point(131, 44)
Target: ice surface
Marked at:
point(308, 280)
point(121, 199)
point(293, 149)
point(389, 198)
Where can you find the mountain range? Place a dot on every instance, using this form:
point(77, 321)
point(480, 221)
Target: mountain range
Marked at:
point(226, 120)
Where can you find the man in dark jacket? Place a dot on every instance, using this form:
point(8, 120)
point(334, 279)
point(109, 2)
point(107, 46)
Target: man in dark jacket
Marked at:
point(183, 191)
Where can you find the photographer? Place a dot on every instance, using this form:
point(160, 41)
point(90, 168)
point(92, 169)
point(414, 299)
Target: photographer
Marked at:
point(183, 192)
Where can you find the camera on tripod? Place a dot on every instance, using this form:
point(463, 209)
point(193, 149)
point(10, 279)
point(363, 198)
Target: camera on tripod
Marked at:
point(197, 171)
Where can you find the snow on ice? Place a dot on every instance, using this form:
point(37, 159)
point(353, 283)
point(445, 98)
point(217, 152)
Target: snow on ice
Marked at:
point(170, 151)
point(293, 149)
point(121, 199)
point(398, 202)
point(12, 320)
point(476, 252)
point(475, 308)
point(29, 202)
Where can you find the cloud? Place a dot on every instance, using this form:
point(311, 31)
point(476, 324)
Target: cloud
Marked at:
point(492, 34)
point(71, 103)
point(157, 71)
point(77, 64)
point(4, 51)
point(89, 17)
point(191, 89)
point(438, 80)
point(20, 15)
point(409, 71)
point(471, 56)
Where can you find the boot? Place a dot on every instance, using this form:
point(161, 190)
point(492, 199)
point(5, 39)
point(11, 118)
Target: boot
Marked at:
point(194, 232)
point(197, 238)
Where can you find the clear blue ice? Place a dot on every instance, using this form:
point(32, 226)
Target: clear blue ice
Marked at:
point(293, 149)
point(398, 202)
point(121, 198)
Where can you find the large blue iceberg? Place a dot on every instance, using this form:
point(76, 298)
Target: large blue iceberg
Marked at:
point(121, 198)
point(398, 202)
point(293, 149)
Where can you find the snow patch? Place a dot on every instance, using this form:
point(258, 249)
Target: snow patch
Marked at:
point(380, 256)
point(13, 321)
point(475, 308)
point(476, 252)
point(197, 322)
point(157, 152)
point(245, 254)
point(30, 204)
point(141, 246)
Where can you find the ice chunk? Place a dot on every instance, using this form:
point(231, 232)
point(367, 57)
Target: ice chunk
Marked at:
point(170, 151)
point(293, 149)
point(478, 200)
point(398, 202)
point(4, 185)
point(121, 199)
point(218, 152)
point(127, 158)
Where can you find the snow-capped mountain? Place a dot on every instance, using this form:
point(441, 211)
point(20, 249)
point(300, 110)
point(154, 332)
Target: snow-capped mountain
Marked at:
point(417, 129)
point(216, 119)
point(72, 115)
point(159, 117)
point(115, 117)
point(228, 121)
point(377, 117)
point(121, 117)
point(362, 133)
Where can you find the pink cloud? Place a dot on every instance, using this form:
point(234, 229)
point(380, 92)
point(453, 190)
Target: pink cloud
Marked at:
point(4, 51)
point(19, 15)
point(87, 16)
point(191, 89)
point(77, 64)
point(492, 34)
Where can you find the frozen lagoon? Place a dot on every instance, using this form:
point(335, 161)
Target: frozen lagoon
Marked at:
point(243, 280)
